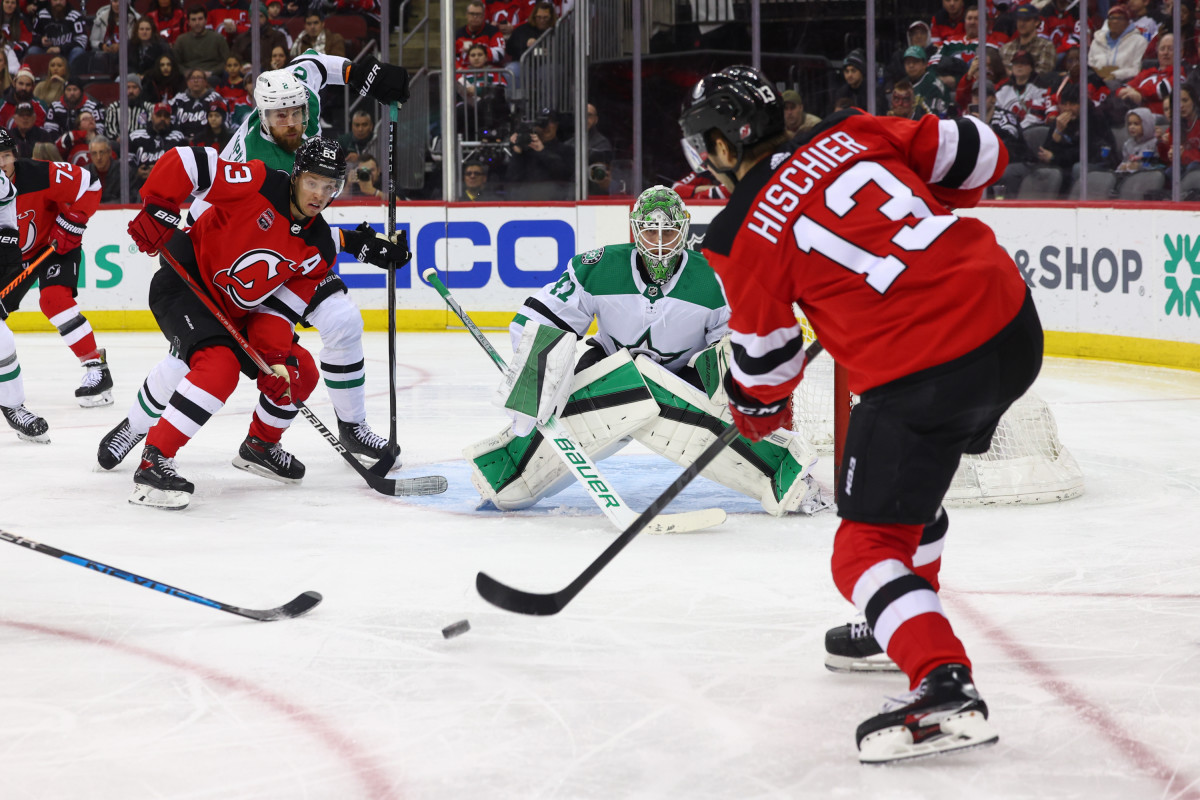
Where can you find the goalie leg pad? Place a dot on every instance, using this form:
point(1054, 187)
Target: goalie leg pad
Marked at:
point(774, 471)
point(608, 402)
point(537, 382)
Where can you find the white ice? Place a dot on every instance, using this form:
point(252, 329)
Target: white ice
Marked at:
point(690, 668)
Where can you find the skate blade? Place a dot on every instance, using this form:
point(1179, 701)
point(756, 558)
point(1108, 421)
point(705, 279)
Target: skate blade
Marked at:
point(159, 498)
point(41, 439)
point(959, 732)
point(95, 400)
point(845, 664)
point(261, 471)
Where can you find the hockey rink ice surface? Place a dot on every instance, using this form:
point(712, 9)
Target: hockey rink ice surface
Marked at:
point(690, 669)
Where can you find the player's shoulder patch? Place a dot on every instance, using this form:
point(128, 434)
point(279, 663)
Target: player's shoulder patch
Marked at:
point(592, 256)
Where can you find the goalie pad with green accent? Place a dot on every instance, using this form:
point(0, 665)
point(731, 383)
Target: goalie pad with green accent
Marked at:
point(774, 471)
point(608, 402)
point(536, 384)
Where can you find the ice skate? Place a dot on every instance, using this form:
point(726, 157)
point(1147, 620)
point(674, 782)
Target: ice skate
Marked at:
point(942, 715)
point(29, 426)
point(117, 444)
point(157, 483)
point(269, 460)
point(852, 648)
point(96, 387)
point(363, 443)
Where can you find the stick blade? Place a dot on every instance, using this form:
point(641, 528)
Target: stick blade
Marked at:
point(407, 487)
point(687, 522)
point(515, 600)
point(300, 606)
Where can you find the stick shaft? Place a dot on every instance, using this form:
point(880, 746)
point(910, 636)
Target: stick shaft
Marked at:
point(25, 273)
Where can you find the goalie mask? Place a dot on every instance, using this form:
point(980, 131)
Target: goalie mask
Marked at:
point(659, 222)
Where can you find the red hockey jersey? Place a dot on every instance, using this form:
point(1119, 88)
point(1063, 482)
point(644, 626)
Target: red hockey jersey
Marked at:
point(246, 243)
point(44, 190)
point(855, 227)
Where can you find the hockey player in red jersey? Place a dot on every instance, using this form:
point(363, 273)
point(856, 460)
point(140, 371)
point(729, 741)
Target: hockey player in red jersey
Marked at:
point(55, 200)
point(263, 233)
point(930, 318)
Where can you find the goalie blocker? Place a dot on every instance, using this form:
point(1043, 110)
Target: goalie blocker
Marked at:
point(618, 399)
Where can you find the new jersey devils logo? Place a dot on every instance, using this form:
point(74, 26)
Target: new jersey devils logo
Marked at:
point(30, 230)
point(253, 277)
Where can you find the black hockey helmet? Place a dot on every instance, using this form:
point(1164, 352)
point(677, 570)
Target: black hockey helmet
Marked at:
point(6, 141)
point(741, 104)
point(321, 156)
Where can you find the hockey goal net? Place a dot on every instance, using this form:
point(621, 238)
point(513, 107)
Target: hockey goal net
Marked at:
point(1027, 462)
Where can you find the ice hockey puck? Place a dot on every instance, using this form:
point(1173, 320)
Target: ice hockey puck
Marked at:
point(457, 629)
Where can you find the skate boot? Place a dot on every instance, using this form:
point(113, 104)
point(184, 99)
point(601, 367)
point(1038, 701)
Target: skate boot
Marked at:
point(269, 460)
point(96, 387)
point(942, 715)
point(29, 426)
point(852, 648)
point(157, 483)
point(363, 443)
point(117, 444)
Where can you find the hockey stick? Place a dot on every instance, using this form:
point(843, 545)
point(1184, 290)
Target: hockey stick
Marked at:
point(427, 484)
point(579, 462)
point(25, 273)
point(294, 608)
point(543, 605)
point(385, 464)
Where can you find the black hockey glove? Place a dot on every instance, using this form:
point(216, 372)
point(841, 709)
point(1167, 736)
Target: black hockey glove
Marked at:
point(10, 249)
point(369, 247)
point(387, 83)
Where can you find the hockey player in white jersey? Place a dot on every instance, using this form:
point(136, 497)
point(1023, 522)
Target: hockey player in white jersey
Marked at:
point(287, 111)
point(653, 372)
point(29, 426)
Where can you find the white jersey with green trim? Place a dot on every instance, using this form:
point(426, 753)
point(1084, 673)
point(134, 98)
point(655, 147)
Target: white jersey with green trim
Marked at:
point(8, 208)
point(251, 143)
point(668, 323)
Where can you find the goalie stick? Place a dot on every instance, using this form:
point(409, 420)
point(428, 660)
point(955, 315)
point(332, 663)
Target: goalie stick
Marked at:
point(426, 484)
point(544, 605)
point(572, 453)
point(294, 608)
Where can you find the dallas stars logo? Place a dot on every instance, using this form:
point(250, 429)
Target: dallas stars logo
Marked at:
point(645, 346)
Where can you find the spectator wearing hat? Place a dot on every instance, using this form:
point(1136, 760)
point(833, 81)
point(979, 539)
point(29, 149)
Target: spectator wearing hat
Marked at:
point(216, 133)
point(148, 145)
point(853, 91)
point(21, 92)
point(925, 82)
point(316, 37)
point(1027, 40)
point(1117, 48)
point(139, 111)
point(948, 23)
point(795, 120)
point(25, 131)
point(191, 106)
point(200, 48)
point(541, 167)
point(269, 38)
point(1021, 96)
point(918, 34)
point(64, 113)
point(60, 29)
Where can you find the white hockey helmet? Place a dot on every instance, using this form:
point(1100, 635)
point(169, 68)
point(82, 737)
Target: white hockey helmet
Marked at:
point(278, 88)
point(659, 221)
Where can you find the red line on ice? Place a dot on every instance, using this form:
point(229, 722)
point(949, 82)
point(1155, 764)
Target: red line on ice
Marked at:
point(371, 774)
point(1178, 785)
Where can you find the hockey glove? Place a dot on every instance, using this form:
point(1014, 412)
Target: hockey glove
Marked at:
point(369, 247)
point(754, 418)
point(277, 385)
point(10, 249)
point(155, 224)
point(67, 233)
point(387, 83)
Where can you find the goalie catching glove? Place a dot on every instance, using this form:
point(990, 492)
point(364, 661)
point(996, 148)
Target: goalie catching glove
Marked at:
point(386, 83)
point(155, 224)
point(537, 383)
point(369, 247)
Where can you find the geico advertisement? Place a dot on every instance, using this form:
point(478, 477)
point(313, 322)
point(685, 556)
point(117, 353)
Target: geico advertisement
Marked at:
point(493, 257)
point(1111, 271)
